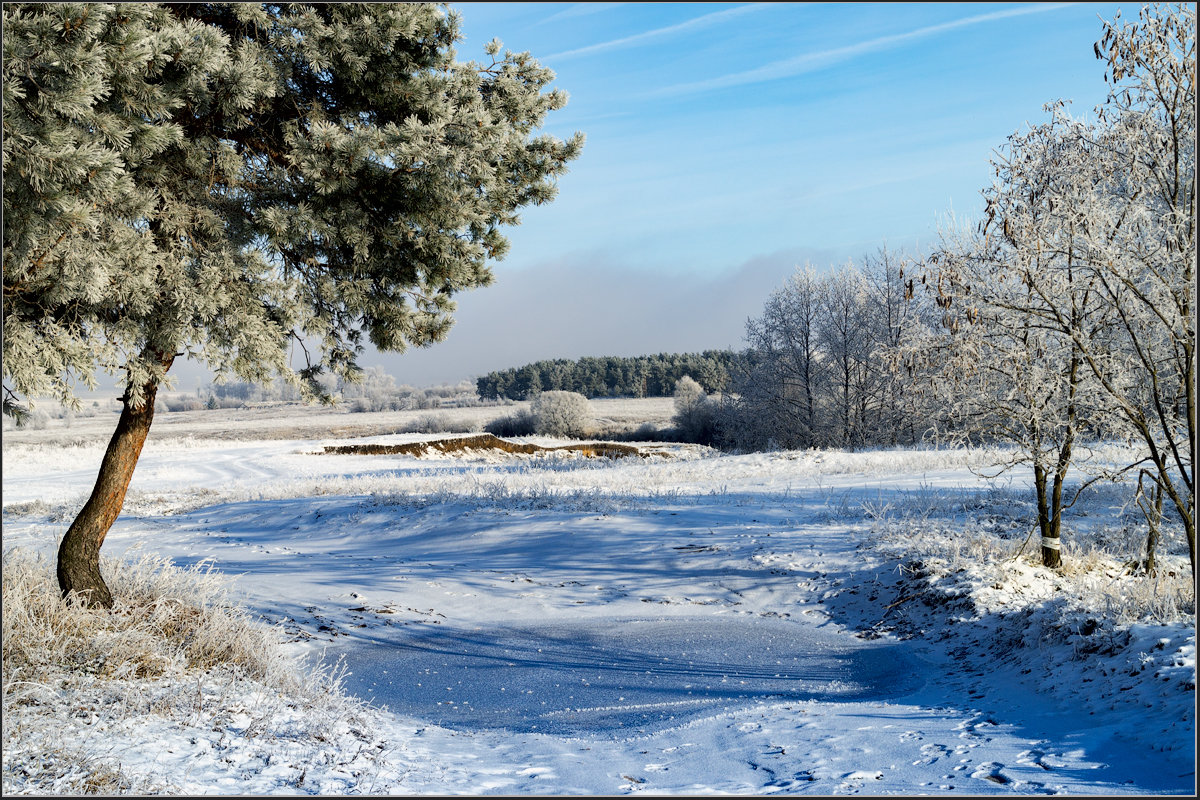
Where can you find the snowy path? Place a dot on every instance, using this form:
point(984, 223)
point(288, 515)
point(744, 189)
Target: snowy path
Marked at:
point(564, 627)
point(617, 677)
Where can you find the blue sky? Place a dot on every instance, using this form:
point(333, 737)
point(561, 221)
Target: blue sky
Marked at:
point(729, 143)
point(717, 132)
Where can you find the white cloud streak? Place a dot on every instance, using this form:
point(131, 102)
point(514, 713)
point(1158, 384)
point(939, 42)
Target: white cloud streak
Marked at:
point(658, 33)
point(581, 10)
point(810, 62)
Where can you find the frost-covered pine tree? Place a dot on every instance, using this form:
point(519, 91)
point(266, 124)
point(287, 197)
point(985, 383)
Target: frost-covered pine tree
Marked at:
point(228, 181)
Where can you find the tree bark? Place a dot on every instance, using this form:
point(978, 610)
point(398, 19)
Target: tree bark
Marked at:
point(79, 575)
point(1152, 508)
point(1048, 521)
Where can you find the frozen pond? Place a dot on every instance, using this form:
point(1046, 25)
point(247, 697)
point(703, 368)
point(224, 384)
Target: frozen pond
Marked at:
point(618, 677)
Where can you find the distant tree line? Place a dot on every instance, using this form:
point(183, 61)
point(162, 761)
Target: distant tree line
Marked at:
point(611, 376)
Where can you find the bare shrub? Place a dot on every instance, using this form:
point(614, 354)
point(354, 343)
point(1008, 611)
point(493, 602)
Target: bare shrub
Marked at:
point(519, 423)
point(181, 403)
point(559, 413)
point(215, 403)
point(35, 420)
point(439, 423)
point(644, 432)
point(484, 441)
point(424, 399)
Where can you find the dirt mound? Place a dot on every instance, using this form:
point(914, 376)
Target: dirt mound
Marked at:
point(484, 441)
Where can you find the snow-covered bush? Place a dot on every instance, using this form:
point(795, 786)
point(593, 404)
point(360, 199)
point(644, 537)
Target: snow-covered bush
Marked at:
point(214, 403)
point(36, 420)
point(688, 395)
point(695, 412)
point(376, 391)
point(560, 413)
point(183, 402)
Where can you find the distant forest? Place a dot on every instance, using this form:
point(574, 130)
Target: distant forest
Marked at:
point(610, 376)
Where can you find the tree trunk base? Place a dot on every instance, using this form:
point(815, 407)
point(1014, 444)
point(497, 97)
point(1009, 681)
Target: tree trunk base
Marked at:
point(79, 575)
point(80, 580)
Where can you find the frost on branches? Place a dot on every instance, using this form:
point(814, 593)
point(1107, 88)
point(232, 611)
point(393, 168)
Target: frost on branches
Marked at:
point(819, 371)
point(1070, 310)
point(230, 181)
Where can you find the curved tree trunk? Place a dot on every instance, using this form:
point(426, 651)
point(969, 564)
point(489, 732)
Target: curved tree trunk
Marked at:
point(79, 553)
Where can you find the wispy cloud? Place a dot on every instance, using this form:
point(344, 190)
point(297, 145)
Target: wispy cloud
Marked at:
point(580, 10)
point(658, 33)
point(809, 62)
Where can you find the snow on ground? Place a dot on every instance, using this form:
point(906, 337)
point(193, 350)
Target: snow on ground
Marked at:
point(695, 623)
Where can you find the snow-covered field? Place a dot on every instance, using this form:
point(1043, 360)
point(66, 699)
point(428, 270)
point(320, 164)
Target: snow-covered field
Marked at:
point(691, 622)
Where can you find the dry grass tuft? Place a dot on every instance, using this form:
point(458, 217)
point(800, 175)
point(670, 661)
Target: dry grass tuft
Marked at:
point(164, 620)
point(175, 653)
point(484, 441)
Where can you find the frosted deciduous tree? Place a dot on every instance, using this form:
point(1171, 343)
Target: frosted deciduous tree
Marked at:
point(1120, 200)
point(894, 319)
point(1002, 372)
point(782, 387)
point(695, 411)
point(1141, 233)
point(823, 366)
point(688, 395)
point(1088, 256)
point(845, 332)
point(227, 181)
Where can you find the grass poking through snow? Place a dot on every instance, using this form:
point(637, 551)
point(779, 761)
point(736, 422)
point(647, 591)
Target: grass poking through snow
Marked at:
point(175, 655)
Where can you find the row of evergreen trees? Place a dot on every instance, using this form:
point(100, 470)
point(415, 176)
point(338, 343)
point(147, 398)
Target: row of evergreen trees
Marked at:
point(611, 376)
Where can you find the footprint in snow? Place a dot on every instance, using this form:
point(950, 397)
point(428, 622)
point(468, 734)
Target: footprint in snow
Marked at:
point(856, 779)
point(797, 780)
point(1040, 758)
point(634, 783)
point(931, 753)
point(977, 727)
point(991, 771)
